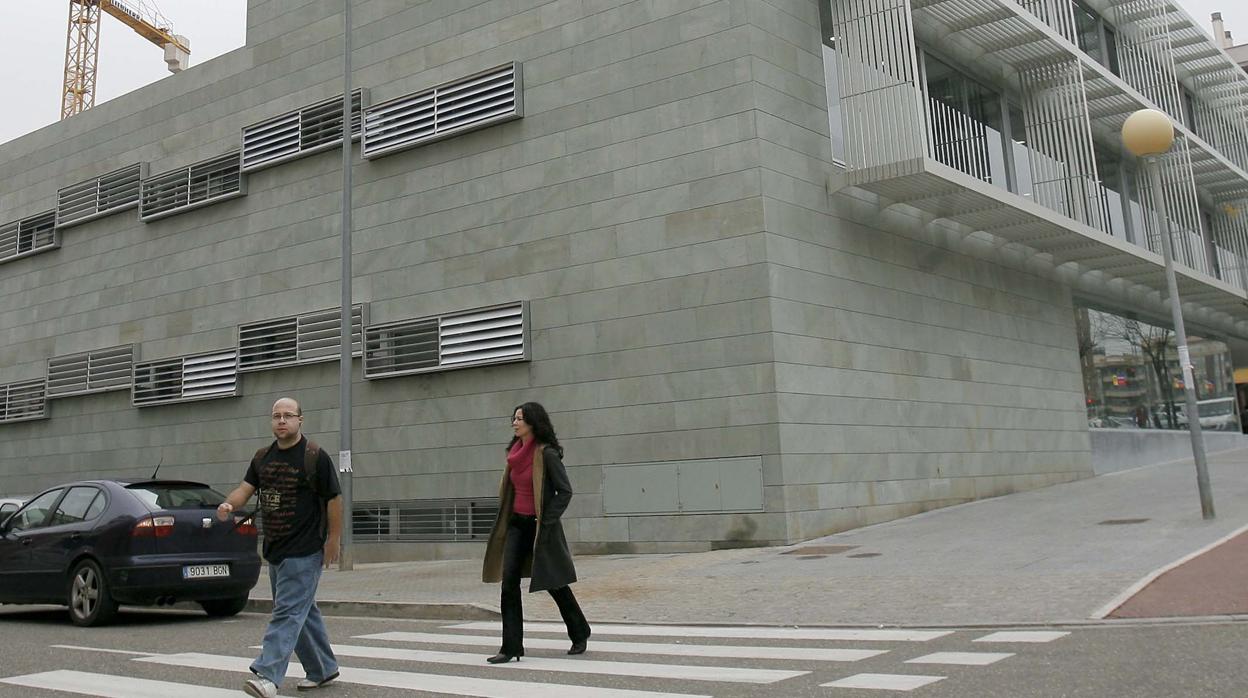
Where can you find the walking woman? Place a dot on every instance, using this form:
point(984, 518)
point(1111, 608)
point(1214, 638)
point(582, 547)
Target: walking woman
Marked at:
point(527, 539)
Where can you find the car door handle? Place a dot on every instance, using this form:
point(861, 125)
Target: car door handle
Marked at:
point(25, 541)
point(75, 536)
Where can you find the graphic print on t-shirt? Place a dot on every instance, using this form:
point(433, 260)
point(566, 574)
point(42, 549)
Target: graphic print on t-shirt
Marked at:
point(279, 482)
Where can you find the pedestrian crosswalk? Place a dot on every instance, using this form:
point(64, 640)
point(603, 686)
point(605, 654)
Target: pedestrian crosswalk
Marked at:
point(657, 661)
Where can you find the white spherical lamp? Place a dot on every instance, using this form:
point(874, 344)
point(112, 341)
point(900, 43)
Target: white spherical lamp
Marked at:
point(1148, 132)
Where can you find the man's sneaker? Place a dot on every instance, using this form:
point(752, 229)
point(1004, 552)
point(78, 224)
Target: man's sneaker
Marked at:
point(310, 685)
point(260, 688)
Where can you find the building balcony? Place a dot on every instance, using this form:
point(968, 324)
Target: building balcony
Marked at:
point(987, 113)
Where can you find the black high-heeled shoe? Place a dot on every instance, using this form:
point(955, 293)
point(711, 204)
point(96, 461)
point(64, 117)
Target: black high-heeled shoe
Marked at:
point(578, 647)
point(503, 658)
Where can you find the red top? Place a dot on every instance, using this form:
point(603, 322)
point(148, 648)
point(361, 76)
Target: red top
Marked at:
point(520, 458)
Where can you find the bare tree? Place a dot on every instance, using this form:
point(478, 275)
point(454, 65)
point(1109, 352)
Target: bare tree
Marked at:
point(1153, 342)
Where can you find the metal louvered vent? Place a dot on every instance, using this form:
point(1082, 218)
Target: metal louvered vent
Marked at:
point(312, 129)
point(486, 98)
point(29, 236)
point(492, 335)
point(301, 339)
point(267, 344)
point(186, 378)
point(23, 401)
point(90, 371)
point(99, 197)
point(483, 336)
point(198, 185)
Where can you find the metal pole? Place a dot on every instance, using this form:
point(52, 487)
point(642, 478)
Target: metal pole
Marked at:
point(346, 562)
point(1180, 338)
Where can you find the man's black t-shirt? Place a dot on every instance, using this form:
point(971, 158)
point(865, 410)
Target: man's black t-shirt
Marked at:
point(295, 521)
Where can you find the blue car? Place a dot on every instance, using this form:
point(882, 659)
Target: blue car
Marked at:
point(96, 544)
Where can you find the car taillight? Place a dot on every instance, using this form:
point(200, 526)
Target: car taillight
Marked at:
point(245, 526)
point(153, 527)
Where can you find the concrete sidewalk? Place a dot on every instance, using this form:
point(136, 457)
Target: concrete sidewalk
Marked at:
point(1045, 556)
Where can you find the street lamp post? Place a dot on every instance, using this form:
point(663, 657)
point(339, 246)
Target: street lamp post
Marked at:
point(1148, 134)
point(347, 561)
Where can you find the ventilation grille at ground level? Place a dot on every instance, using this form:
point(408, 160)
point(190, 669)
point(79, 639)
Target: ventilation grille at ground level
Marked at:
point(443, 520)
point(186, 378)
point(477, 101)
point(99, 197)
point(308, 130)
point(497, 334)
point(90, 371)
point(23, 401)
point(299, 339)
point(198, 185)
point(28, 236)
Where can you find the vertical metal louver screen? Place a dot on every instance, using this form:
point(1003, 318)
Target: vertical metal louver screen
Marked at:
point(485, 336)
point(91, 371)
point(477, 101)
point(312, 129)
point(28, 236)
point(99, 197)
point(23, 401)
point(181, 379)
point(304, 338)
point(191, 187)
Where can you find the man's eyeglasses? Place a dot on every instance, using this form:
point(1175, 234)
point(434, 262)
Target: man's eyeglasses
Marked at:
point(285, 416)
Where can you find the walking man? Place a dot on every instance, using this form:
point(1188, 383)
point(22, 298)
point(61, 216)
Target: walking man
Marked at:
point(302, 509)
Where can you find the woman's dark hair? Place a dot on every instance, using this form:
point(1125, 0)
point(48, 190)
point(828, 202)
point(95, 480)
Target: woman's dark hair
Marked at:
point(537, 419)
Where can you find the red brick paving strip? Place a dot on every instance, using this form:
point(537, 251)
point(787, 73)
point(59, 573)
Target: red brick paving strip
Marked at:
point(1215, 583)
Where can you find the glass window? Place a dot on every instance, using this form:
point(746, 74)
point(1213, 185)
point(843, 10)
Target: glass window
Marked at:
point(1111, 49)
point(965, 123)
point(1132, 378)
point(177, 496)
point(1022, 153)
point(1088, 31)
point(1109, 167)
point(6, 509)
point(73, 508)
point(831, 82)
point(97, 506)
point(36, 512)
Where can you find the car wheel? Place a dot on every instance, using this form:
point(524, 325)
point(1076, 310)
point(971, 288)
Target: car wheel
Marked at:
point(90, 602)
point(222, 608)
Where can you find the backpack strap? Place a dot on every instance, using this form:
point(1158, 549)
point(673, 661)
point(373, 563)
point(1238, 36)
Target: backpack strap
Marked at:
point(257, 459)
point(311, 457)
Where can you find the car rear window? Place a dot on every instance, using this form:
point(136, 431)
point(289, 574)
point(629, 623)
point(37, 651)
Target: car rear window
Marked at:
point(158, 496)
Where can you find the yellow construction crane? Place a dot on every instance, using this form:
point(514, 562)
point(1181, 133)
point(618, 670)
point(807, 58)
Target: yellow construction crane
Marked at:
point(82, 45)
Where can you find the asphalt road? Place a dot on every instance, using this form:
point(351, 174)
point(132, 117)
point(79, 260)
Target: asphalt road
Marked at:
point(186, 655)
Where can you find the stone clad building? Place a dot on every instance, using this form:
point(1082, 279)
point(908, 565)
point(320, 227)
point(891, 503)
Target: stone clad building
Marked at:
point(763, 297)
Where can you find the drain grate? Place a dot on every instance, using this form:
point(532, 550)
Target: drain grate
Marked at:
point(859, 555)
point(811, 557)
point(1120, 522)
point(820, 550)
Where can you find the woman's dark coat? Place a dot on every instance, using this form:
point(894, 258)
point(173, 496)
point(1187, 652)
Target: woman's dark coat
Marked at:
point(550, 563)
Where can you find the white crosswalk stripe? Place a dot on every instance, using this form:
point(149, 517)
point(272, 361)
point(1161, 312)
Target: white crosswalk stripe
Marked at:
point(761, 633)
point(580, 666)
point(884, 682)
point(89, 684)
point(429, 683)
point(961, 658)
point(808, 654)
point(1023, 636)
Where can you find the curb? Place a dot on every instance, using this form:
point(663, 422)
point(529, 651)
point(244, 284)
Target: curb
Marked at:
point(392, 609)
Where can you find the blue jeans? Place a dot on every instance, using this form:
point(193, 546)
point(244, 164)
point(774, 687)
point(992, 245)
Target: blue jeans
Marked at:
point(296, 624)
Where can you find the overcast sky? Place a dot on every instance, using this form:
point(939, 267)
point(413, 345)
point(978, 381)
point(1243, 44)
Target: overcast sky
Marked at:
point(32, 50)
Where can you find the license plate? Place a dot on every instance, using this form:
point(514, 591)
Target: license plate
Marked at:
point(205, 571)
